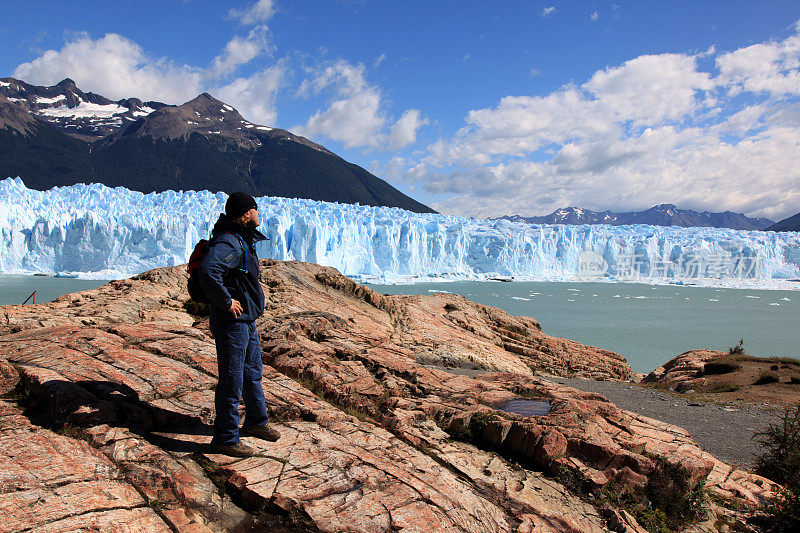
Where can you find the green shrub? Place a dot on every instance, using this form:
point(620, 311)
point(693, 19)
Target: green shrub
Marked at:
point(668, 489)
point(767, 377)
point(785, 512)
point(738, 349)
point(780, 461)
point(725, 387)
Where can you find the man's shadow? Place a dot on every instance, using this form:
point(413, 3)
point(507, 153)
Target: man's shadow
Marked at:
point(89, 403)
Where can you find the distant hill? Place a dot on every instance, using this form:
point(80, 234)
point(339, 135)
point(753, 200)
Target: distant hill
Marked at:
point(659, 215)
point(60, 135)
point(787, 224)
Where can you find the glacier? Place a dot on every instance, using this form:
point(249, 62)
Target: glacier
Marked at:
point(99, 231)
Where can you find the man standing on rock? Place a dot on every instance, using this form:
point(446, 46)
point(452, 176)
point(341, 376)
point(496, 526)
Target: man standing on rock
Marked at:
point(229, 277)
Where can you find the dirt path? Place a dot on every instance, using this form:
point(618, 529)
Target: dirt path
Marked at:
point(724, 431)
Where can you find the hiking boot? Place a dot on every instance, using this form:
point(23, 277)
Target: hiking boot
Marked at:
point(262, 432)
point(239, 449)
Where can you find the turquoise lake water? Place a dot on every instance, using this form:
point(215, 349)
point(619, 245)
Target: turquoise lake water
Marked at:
point(647, 324)
point(16, 289)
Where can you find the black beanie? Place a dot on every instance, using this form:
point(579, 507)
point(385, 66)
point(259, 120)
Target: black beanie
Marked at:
point(239, 203)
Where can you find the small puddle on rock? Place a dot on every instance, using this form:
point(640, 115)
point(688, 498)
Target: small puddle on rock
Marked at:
point(526, 407)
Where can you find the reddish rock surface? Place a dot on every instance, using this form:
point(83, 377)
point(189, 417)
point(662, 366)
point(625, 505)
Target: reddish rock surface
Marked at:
point(108, 422)
point(685, 371)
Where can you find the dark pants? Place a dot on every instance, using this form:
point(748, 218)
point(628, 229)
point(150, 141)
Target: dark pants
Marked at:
point(239, 363)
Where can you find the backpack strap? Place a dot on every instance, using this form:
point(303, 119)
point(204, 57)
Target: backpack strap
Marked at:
point(243, 266)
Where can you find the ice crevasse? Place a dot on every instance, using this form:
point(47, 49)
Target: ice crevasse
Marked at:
point(94, 228)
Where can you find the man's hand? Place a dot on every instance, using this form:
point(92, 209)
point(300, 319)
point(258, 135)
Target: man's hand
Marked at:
point(236, 308)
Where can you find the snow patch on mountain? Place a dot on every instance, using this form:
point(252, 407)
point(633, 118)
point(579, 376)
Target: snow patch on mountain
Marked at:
point(84, 110)
point(53, 100)
point(143, 112)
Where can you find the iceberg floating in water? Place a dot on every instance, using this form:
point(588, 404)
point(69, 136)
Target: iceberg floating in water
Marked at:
point(94, 228)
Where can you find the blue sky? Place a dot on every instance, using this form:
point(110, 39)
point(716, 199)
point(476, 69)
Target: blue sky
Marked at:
point(476, 108)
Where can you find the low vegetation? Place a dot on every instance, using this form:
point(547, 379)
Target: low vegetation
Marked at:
point(725, 387)
point(780, 462)
point(767, 377)
point(668, 503)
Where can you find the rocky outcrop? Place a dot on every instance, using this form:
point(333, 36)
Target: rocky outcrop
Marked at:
point(685, 371)
point(109, 419)
point(731, 377)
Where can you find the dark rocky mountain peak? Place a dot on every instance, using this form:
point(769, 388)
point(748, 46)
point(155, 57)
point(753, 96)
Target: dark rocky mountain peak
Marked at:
point(203, 99)
point(208, 105)
point(60, 135)
point(204, 114)
point(664, 208)
point(791, 223)
point(67, 84)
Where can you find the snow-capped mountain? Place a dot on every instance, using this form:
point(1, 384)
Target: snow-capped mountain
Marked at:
point(82, 115)
point(658, 215)
point(60, 135)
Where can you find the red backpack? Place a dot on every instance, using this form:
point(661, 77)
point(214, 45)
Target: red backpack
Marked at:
point(199, 253)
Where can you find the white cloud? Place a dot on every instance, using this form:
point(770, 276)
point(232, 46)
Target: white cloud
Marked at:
point(772, 68)
point(548, 11)
point(239, 51)
point(260, 12)
point(254, 96)
point(378, 60)
point(116, 67)
point(404, 131)
point(651, 88)
point(594, 16)
point(691, 168)
point(356, 113)
point(655, 129)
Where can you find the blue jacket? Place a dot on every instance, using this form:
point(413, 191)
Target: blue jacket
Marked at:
point(221, 274)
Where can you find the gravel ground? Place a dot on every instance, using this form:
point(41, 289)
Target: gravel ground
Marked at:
point(725, 431)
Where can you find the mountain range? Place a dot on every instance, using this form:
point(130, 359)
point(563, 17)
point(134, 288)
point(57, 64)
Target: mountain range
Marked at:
point(60, 135)
point(658, 215)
